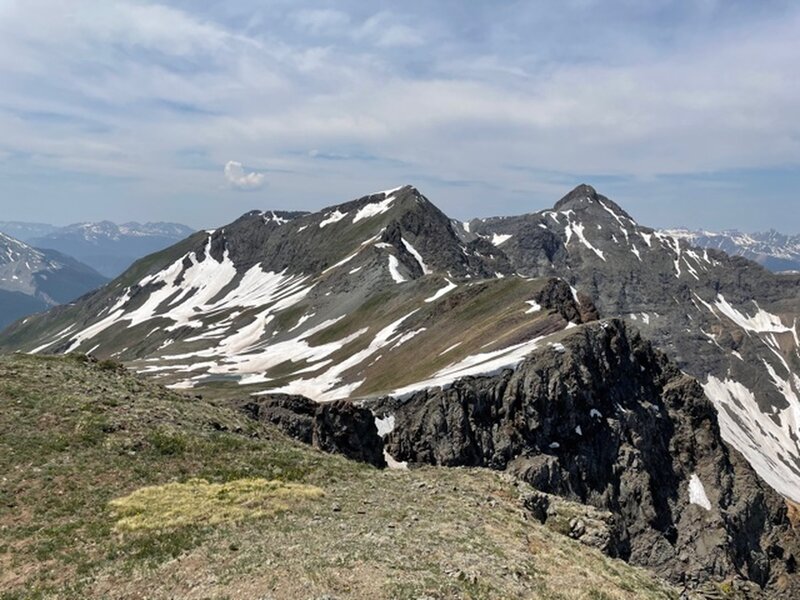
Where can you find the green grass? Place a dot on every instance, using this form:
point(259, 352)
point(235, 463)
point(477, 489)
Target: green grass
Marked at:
point(111, 486)
point(198, 502)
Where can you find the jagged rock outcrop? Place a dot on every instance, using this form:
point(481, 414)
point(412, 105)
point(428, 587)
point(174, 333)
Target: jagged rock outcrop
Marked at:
point(601, 418)
point(591, 526)
point(573, 306)
point(337, 427)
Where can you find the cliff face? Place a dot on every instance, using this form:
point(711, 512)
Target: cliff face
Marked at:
point(603, 419)
point(337, 427)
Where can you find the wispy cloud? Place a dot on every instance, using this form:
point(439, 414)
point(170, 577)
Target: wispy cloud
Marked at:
point(387, 30)
point(320, 20)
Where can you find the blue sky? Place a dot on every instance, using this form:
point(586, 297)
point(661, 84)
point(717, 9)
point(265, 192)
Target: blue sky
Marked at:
point(686, 113)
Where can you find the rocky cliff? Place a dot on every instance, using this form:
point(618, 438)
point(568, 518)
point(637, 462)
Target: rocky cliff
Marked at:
point(603, 419)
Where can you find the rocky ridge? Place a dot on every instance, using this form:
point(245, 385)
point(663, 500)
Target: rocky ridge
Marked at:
point(334, 298)
point(602, 419)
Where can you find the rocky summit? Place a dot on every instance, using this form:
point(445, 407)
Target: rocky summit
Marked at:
point(605, 364)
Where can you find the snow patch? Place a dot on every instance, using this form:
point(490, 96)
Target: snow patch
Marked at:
point(449, 348)
point(332, 217)
point(417, 256)
point(477, 364)
point(450, 286)
point(770, 445)
point(761, 322)
point(393, 464)
point(577, 229)
point(408, 336)
point(373, 209)
point(394, 270)
point(390, 192)
point(385, 425)
point(500, 238)
point(535, 306)
point(697, 493)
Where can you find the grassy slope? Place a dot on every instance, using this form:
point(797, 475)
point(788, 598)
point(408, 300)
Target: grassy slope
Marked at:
point(74, 436)
point(454, 320)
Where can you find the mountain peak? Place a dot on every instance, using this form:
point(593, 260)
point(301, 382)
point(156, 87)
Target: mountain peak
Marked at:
point(579, 196)
point(584, 198)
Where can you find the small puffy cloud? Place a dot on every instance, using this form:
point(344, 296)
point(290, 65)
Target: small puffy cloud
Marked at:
point(236, 177)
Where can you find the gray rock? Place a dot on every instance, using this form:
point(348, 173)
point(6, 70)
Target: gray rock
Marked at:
point(336, 427)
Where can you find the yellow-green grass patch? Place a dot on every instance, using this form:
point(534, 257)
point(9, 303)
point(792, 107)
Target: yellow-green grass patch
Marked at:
point(199, 502)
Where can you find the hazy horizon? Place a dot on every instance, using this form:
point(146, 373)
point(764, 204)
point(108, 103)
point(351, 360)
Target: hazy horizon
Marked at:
point(295, 207)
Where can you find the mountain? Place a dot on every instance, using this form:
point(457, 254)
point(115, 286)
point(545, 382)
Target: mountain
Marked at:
point(33, 280)
point(724, 319)
point(775, 251)
point(26, 231)
point(336, 295)
point(573, 348)
point(110, 248)
point(603, 419)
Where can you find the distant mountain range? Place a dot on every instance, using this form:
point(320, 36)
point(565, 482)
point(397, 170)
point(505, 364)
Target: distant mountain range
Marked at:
point(24, 232)
point(110, 248)
point(33, 280)
point(776, 251)
point(43, 265)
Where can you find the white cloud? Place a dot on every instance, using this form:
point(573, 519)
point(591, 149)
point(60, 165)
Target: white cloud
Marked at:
point(235, 175)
